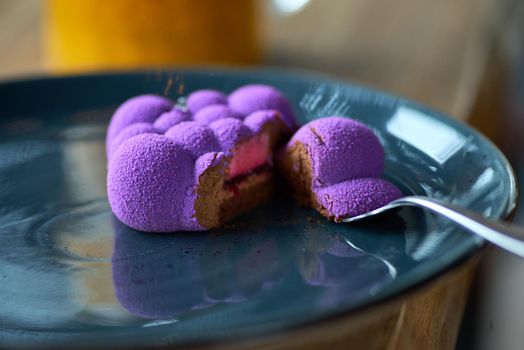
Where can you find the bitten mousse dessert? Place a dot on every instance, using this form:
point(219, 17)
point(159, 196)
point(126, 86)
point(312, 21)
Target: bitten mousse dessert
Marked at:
point(334, 165)
point(194, 167)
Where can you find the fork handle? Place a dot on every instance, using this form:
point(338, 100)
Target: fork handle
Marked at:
point(506, 236)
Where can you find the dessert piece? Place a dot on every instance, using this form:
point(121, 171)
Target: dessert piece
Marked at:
point(334, 165)
point(194, 167)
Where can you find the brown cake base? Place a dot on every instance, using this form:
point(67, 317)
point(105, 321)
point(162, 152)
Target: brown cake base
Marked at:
point(295, 167)
point(221, 197)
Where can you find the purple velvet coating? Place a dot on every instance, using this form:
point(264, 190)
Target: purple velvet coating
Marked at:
point(341, 149)
point(194, 137)
point(229, 132)
point(357, 196)
point(203, 98)
point(347, 160)
point(127, 133)
point(252, 98)
point(171, 118)
point(157, 151)
point(256, 120)
point(213, 113)
point(145, 108)
point(150, 182)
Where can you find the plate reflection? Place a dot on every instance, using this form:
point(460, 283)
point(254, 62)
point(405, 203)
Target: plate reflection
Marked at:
point(165, 276)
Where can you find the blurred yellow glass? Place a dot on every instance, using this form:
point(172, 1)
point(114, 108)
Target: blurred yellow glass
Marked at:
point(109, 34)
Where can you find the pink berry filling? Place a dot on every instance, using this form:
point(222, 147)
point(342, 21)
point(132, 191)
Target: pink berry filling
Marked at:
point(249, 156)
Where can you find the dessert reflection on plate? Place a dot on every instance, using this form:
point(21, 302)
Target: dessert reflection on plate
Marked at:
point(161, 276)
point(166, 275)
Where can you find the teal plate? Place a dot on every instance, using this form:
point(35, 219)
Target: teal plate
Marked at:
point(70, 273)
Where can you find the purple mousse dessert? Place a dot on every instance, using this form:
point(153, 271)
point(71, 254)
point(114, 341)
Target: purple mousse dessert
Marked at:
point(334, 165)
point(194, 167)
